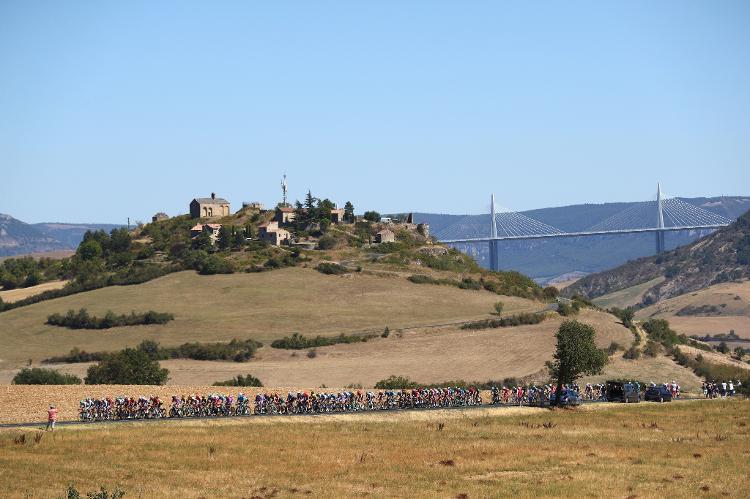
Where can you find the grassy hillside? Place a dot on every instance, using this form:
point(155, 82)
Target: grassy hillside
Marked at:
point(715, 310)
point(720, 257)
point(263, 306)
point(428, 355)
point(679, 450)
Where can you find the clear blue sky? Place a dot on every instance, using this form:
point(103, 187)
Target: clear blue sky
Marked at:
point(117, 109)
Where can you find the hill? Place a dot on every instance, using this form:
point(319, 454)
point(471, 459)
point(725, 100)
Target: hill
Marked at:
point(720, 257)
point(20, 238)
point(546, 259)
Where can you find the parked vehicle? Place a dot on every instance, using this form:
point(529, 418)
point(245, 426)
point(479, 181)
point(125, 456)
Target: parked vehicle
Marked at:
point(617, 391)
point(568, 398)
point(658, 394)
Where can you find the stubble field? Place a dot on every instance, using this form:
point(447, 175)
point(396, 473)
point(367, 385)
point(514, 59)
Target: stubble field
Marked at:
point(687, 449)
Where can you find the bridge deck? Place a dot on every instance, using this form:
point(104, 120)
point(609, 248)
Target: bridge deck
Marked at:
point(584, 234)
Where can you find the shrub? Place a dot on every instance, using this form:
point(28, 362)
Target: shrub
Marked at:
point(41, 376)
point(102, 493)
point(75, 355)
point(127, 367)
point(396, 383)
point(632, 353)
point(299, 342)
point(240, 380)
point(659, 331)
point(82, 320)
point(652, 349)
point(311, 354)
point(331, 268)
point(499, 307)
point(386, 332)
point(566, 309)
point(327, 242)
point(510, 321)
point(214, 264)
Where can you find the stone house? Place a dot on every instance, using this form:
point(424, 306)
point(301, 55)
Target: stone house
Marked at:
point(159, 217)
point(385, 236)
point(337, 216)
point(271, 233)
point(209, 207)
point(196, 230)
point(284, 215)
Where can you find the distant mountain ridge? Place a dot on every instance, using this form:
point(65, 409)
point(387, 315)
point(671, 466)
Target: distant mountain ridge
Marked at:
point(21, 238)
point(720, 257)
point(545, 260)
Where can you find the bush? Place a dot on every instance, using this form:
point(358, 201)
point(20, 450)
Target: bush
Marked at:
point(566, 309)
point(652, 349)
point(510, 321)
point(386, 332)
point(626, 315)
point(102, 493)
point(331, 268)
point(327, 242)
point(499, 307)
point(722, 348)
point(75, 355)
point(127, 367)
point(632, 353)
point(396, 383)
point(41, 376)
point(82, 320)
point(550, 293)
point(299, 342)
point(659, 331)
point(214, 264)
point(311, 354)
point(240, 380)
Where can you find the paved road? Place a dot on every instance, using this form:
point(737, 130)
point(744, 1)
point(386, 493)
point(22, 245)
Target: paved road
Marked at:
point(125, 421)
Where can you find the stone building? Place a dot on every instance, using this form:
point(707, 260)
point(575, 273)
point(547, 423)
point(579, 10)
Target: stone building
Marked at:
point(385, 236)
point(337, 216)
point(159, 217)
point(271, 233)
point(213, 228)
point(284, 215)
point(209, 207)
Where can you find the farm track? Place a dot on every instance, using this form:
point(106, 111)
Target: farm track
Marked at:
point(323, 415)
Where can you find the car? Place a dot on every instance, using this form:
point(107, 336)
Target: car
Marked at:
point(617, 391)
point(569, 397)
point(658, 394)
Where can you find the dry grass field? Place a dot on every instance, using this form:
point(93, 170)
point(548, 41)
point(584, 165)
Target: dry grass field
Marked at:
point(687, 449)
point(427, 355)
point(263, 306)
point(12, 295)
point(731, 299)
point(628, 296)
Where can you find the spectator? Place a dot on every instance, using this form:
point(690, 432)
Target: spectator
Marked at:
point(51, 418)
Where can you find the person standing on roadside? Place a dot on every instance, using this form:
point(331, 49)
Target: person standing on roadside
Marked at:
point(51, 418)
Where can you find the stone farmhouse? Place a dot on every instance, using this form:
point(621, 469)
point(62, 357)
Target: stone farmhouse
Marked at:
point(159, 217)
point(196, 230)
point(271, 233)
point(385, 236)
point(284, 215)
point(209, 207)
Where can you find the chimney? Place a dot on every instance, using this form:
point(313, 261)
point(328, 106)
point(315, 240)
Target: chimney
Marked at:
point(213, 195)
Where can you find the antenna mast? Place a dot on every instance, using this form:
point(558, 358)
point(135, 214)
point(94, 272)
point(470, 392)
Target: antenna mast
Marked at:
point(283, 189)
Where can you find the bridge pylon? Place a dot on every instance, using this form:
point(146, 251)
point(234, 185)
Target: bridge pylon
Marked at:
point(494, 263)
point(659, 222)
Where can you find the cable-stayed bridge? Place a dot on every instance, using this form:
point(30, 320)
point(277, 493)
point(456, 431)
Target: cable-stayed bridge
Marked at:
point(662, 215)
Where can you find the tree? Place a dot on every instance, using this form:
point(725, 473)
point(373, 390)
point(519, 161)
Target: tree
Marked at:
point(576, 354)
point(119, 241)
point(499, 307)
point(225, 237)
point(203, 241)
point(127, 367)
point(723, 348)
point(238, 238)
point(349, 212)
point(89, 250)
point(372, 216)
point(739, 352)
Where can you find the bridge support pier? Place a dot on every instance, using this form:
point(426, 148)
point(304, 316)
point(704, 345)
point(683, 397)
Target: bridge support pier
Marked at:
point(494, 261)
point(659, 242)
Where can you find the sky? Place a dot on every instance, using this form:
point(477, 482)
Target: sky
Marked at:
point(110, 110)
